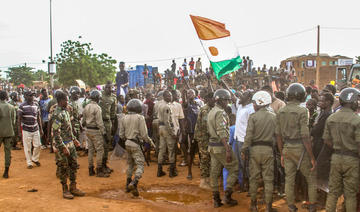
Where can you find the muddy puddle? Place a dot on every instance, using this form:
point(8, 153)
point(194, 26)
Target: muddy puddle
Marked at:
point(185, 195)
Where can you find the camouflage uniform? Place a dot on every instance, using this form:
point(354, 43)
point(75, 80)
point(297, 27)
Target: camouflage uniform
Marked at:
point(63, 138)
point(202, 136)
point(343, 130)
point(218, 127)
point(75, 118)
point(108, 107)
point(292, 125)
point(259, 138)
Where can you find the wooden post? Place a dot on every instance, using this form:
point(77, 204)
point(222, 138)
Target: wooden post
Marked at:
point(317, 78)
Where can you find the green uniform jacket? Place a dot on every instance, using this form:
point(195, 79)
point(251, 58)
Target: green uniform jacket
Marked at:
point(61, 127)
point(7, 119)
point(261, 127)
point(201, 131)
point(108, 106)
point(218, 126)
point(343, 129)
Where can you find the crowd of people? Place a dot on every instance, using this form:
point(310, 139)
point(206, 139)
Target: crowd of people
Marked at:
point(244, 134)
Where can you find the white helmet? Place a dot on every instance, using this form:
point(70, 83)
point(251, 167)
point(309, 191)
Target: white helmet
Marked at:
point(262, 98)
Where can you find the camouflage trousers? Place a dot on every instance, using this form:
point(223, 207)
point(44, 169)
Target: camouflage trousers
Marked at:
point(7, 141)
point(95, 143)
point(344, 179)
point(205, 158)
point(261, 165)
point(218, 161)
point(292, 155)
point(67, 164)
point(135, 158)
point(108, 142)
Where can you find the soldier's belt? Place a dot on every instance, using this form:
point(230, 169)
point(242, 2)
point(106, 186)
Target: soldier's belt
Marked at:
point(262, 143)
point(106, 119)
point(92, 128)
point(66, 142)
point(293, 141)
point(346, 152)
point(161, 123)
point(135, 141)
point(215, 144)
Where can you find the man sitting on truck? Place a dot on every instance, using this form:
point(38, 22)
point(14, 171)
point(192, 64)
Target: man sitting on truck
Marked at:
point(356, 81)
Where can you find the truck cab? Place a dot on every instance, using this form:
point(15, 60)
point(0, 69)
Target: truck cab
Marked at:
point(354, 73)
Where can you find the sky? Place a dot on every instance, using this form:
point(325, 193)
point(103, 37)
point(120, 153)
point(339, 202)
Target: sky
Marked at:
point(141, 31)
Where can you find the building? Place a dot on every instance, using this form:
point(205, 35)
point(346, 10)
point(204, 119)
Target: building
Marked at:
point(332, 68)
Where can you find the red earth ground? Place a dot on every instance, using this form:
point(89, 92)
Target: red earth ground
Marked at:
point(106, 194)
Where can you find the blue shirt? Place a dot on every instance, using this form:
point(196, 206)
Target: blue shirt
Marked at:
point(43, 103)
point(231, 138)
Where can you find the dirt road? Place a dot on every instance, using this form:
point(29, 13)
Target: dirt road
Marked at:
point(105, 194)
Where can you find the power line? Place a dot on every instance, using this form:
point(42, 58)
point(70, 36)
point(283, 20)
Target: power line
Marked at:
point(342, 28)
point(277, 38)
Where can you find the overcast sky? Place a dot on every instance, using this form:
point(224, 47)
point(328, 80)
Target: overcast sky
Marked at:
point(134, 30)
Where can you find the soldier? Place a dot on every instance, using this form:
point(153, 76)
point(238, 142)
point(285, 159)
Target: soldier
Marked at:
point(202, 136)
point(95, 132)
point(293, 141)
point(155, 123)
point(65, 143)
point(218, 127)
point(7, 123)
point(14, 102)
point(259, 139)
point(108, 107)
point(342, 133)
point(132, 130)
point(167, 136)
point(75, 121)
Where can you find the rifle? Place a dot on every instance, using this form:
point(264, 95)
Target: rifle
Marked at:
point(142, 150)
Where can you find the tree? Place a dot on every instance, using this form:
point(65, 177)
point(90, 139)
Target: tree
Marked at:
point(41, 75)
point(357, 59)
point(21, 75)
point(76, 61)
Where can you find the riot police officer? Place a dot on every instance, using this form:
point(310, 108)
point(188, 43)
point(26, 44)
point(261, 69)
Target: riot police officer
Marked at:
point(294, 145)
point(342, 133)
point(133, 130)
point(220, 152)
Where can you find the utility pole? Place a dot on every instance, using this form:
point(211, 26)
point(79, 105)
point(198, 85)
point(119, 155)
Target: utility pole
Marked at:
point(51, 63)
point(317, 78)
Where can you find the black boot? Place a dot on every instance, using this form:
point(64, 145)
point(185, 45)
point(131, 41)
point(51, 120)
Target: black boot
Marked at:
point(217, 200)
point(133, 187)
point(228, 200)
point(160, 172)
point(172, 172)
point(91, 171)
point(253, 206)
point(128, 181)
point(292, 208)
point(105, 167)
point(6, 173)
point(100, 172)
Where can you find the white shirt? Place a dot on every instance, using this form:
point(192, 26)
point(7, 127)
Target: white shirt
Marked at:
point(242, 117)
point(234, 107)
point(177, 113)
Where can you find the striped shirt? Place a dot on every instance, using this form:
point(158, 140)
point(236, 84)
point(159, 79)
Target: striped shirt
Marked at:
point(29, 114)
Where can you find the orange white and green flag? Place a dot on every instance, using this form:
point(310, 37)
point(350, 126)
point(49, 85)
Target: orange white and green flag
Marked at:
point(218, 45)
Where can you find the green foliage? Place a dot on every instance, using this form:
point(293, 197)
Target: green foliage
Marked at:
point(41, 75)
point(21, 74)
point(357, 59)
point(76, 61)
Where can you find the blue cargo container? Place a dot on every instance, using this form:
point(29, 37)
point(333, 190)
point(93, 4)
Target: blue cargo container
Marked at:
point(136, 76)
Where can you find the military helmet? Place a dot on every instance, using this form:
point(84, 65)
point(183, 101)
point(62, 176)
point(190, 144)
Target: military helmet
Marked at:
point(95, 94)
point(13, 94)
point(349, 95)
point(222, 94)
point(296, 91)
point(134, 105)
point(75, 89)
point(58, 91)
point(262, 98)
